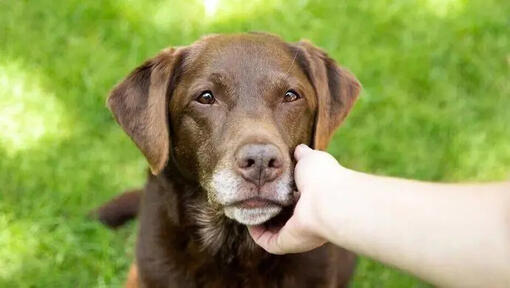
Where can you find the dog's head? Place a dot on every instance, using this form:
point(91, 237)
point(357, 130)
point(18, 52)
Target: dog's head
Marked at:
point(228, 111)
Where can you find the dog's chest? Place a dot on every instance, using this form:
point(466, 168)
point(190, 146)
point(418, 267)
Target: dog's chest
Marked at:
point(170, 253)
point(291, 271)
point(313, 269)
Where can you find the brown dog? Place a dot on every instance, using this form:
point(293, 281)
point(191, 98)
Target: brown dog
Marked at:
point(218, 122)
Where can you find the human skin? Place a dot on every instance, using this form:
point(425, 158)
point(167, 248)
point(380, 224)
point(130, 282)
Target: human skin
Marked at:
point(454, 235)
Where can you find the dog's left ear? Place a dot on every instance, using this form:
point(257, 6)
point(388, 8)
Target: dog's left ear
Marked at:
point(140, 105)
point(336, 88)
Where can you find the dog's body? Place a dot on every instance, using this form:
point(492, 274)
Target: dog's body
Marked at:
point(218, 130)
point(178, 248)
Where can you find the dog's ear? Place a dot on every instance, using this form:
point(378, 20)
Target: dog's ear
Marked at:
point(336, 88)
point(140, 105)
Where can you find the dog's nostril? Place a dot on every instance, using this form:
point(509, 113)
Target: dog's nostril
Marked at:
point(249, 163)
point(274, 163)
point(246, 163)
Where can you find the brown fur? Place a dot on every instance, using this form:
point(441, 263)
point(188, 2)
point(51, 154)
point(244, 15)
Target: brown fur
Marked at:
point(185, 240)
point(119, 210)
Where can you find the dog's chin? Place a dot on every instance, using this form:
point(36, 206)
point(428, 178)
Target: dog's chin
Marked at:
point(252, 216)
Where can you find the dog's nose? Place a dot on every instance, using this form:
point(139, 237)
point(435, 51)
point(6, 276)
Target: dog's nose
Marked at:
point(259, 163)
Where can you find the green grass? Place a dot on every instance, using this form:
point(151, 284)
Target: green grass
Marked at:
point(435, 106)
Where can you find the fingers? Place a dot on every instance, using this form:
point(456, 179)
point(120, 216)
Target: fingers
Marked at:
point(301, 150)
point(277, 242)
point(288, 240)
point(266, 239)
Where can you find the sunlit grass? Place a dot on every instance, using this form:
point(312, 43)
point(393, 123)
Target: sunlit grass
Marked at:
point(211, 6)
point(194, 14)
point(27, 111)
point(444, 8)
point(17, 242)
point(225, 9)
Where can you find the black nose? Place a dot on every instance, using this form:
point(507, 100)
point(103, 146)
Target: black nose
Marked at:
point(259, 163)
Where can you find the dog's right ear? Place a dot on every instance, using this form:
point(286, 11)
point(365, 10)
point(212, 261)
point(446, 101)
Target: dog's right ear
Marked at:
point(140, 105)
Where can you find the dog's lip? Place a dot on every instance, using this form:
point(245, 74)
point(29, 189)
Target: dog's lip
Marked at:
point(255, 202)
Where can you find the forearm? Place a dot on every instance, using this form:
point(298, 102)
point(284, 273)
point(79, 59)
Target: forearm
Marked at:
point(450, 235)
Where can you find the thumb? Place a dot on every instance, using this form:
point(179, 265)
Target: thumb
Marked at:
point(301, 150)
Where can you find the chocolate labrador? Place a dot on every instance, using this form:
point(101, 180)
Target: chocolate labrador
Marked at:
point(218, 122)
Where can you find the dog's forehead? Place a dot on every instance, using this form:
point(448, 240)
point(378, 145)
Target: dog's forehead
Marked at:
point(241, 53)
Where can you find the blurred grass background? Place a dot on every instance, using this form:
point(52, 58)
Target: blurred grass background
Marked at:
point(435, 106)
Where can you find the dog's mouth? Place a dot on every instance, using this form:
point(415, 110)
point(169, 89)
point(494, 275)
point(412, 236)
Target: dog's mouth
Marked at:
point(245, 202)
point(255, 202)
point(255, 210)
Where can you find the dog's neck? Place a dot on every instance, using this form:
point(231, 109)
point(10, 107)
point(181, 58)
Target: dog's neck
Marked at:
point(208, 229)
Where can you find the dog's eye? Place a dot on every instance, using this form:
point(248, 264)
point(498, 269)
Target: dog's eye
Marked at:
point(206, 98)
point(291, 96)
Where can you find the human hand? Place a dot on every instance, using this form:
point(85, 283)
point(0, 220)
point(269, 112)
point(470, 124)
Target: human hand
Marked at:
point(316, 174)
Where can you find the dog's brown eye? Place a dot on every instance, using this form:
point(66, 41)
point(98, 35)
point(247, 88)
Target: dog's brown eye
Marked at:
point(291, 96)
point(206, 98)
